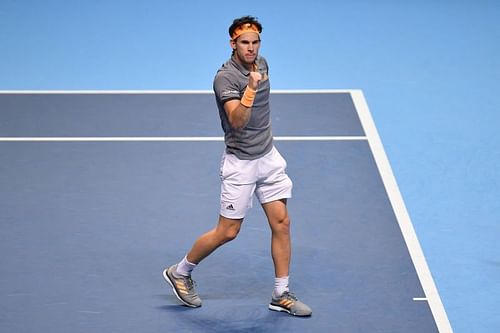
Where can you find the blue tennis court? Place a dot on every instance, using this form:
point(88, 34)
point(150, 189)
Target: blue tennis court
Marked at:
point(102, 190)
point(87, 84)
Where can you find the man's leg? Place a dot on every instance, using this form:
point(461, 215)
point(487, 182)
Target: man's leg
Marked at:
point(277, 215)
point(279, 221)
point(179, 275)
point(225, 231)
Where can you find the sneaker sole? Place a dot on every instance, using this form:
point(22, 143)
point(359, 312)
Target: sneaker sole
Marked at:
point(171, 283)
point(280, 309)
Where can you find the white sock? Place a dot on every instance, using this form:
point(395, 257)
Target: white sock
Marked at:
point(185, 267)
point(280, 285)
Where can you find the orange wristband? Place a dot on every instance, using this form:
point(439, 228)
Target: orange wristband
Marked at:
point(248, 97)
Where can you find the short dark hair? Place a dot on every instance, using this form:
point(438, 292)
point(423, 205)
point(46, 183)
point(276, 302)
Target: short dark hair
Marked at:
point(242, 20)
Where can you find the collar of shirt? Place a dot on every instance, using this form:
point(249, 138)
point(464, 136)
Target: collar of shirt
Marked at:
point(240, 67)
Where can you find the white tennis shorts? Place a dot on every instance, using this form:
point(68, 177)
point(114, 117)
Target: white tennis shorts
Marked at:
point(265, 176)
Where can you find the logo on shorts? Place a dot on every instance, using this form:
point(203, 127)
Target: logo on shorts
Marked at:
point(230, 207)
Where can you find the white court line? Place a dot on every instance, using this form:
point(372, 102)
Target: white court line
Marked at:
point(167, 139)
point(111, 139)
point(402, 216)
point(171, 139)
point(146, 92)
point(418, 299)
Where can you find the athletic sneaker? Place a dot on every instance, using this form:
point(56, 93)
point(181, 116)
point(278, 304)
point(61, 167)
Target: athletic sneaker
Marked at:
point(183, 287)
point(289, 303)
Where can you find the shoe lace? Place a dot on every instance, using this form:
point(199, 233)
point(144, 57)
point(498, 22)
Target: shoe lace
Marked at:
point(189, 282)
point(289, 295)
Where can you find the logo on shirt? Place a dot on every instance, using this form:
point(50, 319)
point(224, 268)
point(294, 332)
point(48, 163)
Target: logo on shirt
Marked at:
point(230, 207)
point(226, 93)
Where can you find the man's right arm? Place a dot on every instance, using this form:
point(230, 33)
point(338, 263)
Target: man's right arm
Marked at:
point(239, 111)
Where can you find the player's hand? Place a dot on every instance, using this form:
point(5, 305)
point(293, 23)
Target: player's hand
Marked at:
point(254, 79)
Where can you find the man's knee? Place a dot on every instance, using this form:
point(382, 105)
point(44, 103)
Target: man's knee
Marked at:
point(228, 229)
point(277, 215)
point(231, 233)
point(282, 224)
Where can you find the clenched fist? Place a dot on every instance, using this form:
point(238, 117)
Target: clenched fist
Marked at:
point(253, 80)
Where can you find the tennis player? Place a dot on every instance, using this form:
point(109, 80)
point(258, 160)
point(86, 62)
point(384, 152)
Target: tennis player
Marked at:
point(251, 165)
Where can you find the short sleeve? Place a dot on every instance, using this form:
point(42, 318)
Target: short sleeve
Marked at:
point(226, 88)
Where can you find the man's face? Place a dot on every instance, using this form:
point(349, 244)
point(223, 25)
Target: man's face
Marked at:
point(246, 47)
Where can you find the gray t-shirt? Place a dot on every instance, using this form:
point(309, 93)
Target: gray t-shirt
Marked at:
point(255, 139)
